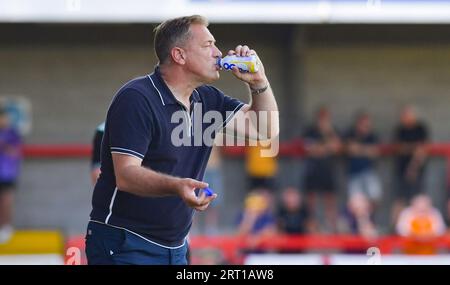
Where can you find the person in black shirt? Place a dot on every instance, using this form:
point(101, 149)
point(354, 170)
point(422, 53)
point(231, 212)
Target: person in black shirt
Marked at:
point(411, 137)
point(362, 151)
point(96, 152)
point(292, 217)
point(322, 144)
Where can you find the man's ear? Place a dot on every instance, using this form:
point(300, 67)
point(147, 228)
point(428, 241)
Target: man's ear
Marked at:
point(178, 55)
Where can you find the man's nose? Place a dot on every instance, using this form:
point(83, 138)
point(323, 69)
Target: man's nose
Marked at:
point(218, 53)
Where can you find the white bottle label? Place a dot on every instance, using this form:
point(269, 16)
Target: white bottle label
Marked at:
point(244, 63)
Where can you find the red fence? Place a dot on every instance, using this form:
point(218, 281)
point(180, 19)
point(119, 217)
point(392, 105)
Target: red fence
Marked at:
point(293, 148)
point(233, 248)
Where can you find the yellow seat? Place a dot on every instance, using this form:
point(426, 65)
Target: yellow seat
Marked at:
point(34, 242)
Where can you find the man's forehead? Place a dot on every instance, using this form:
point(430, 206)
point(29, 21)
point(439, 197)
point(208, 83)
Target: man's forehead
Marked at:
point(201, 33)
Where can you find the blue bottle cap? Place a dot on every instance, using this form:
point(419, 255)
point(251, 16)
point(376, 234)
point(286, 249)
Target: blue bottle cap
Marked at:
point(208, 191)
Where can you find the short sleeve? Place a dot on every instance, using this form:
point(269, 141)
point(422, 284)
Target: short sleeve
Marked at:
point(226, 105)
point(130, 124)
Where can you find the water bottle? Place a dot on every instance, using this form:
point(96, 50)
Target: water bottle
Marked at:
point(244, 63)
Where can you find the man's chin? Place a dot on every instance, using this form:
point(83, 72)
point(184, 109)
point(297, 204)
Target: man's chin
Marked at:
point(213, 78)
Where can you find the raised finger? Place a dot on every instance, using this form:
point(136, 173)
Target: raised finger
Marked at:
point(238, 50)
point(244, 50)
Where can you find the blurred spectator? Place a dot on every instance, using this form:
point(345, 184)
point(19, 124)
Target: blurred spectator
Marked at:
point(95, 156)
point(261, 170)
point(447, 214)
point(421, 222)
point(362, 151)
point(322, 143)
point(357, 218)
point(411, 137)
point(293, 216)
point(10, 159)
point(257, 220)
point(447, 206)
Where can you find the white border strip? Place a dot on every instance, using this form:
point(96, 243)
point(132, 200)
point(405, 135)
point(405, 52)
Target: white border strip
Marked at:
point(127, 153)
point(114, 149)
point(111, 205)
point(146, 239)
point(232, 115)
point(162, 101)
point(154, 11)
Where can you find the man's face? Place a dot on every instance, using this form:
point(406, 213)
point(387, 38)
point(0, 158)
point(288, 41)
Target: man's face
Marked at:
point(202, 54)
point(324, 116)
point(364, 124)
point(408, 117)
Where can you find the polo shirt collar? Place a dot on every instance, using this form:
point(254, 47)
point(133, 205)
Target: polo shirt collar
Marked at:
point(167, 97)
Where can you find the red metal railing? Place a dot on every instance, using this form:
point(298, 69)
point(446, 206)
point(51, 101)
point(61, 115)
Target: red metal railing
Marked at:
point(293, 148)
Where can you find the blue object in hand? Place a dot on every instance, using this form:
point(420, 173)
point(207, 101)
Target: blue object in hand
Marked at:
point(208, 191)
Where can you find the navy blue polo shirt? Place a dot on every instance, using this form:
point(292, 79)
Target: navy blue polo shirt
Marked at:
point(139, 123)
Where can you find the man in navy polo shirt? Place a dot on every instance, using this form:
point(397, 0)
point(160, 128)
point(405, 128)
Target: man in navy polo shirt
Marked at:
point(145, 197)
